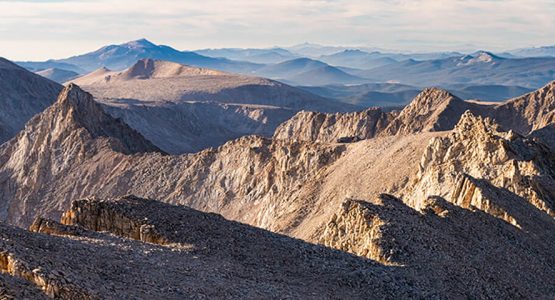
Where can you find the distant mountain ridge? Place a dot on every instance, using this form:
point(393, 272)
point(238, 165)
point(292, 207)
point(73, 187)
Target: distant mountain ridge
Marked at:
point(122, 56)
point(58, 75)
point(481, 68)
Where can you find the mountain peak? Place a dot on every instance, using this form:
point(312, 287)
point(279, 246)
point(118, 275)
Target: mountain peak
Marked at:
point(79, 109)
point(434, 109)
point(433, 94)
point(148, 68)
point(73, 95)
point(140, 43)
point(485, 56)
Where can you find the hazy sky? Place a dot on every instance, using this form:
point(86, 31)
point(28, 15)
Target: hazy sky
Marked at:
point(40, 29)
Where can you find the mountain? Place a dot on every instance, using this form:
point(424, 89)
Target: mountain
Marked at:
point(260, 56)
point(357, 59)
point(313, 50)
point(37, 66)
point(22, 95)
point(305, 71)
point(481, 68)
point(432, 110)
point(291, 67)
point(119, 57)
point(58, 75)
point(324, 76)
point(187, 109)
point(451, 197)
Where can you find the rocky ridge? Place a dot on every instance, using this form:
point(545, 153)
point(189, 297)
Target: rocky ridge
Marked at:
point(207, 257)
point(475, 176)
point(462, 252)
point(477, 151)
point(432, 110)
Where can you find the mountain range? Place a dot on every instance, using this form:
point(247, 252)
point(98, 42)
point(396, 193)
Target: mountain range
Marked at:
point(185, 175)
point(119, 57)
point(479, 75)
point(482, 68)
point(441, 187)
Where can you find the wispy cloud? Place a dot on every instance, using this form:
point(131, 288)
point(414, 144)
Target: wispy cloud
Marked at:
point(56, 28)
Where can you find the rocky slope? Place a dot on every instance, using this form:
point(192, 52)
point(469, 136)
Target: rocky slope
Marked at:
point(443, 186)
point(22, 95)
point(477, 163)
point(463, 252)
point(529, 112)
point(182, 253)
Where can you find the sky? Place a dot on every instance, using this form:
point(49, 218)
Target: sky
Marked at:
point(42, 29)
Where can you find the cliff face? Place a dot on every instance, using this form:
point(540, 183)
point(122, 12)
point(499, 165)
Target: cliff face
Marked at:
point(333, 128)
point(477, 154)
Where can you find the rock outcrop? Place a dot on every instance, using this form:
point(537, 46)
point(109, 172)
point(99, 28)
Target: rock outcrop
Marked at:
point(477, 151)
point(333, 128)
point(461, 252)
point(207, 257)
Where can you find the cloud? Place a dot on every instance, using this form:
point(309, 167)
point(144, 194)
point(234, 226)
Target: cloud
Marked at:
point(61, 28)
